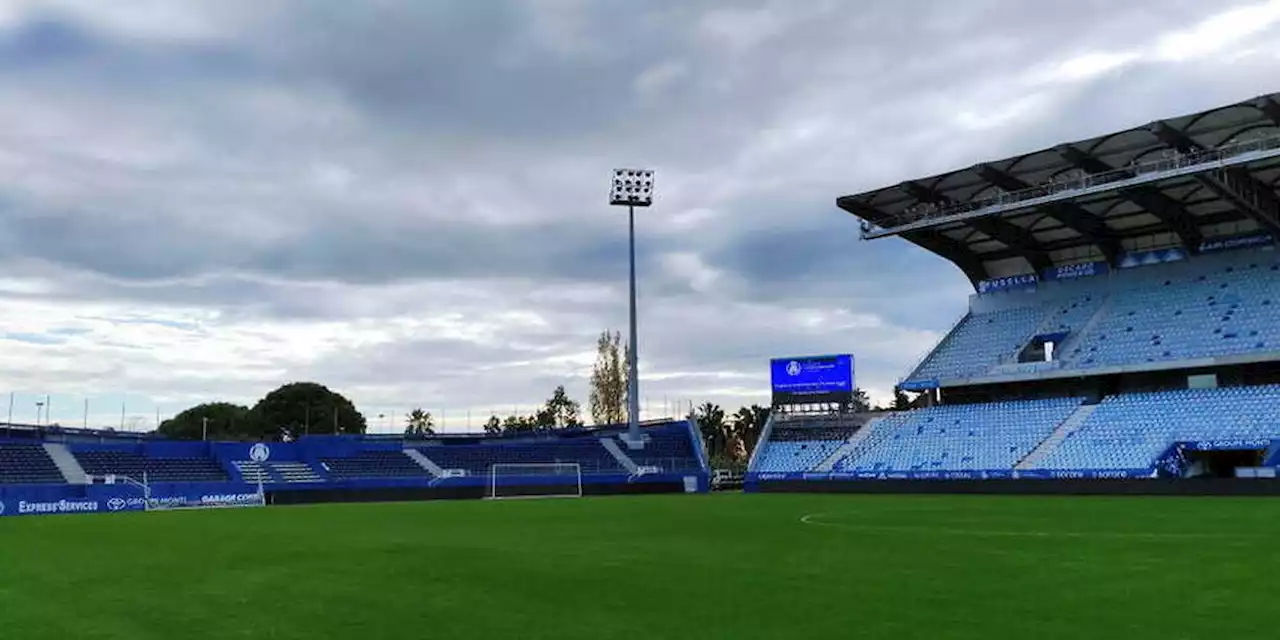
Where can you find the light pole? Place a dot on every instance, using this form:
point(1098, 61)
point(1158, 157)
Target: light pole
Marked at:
point(39, 406)
point(632, 188)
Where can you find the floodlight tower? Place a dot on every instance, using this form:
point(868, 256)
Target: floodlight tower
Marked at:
point(632, 188)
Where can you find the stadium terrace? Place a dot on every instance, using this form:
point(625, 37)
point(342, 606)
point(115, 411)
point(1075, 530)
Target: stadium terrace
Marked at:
point(1125, 322)
point(57, 471)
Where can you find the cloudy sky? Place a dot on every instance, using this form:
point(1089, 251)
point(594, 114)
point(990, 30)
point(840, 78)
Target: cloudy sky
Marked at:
point(407, 200)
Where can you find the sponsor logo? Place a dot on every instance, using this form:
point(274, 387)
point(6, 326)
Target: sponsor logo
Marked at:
point(1009, 282)
point(1110, 474)
point(122, 504)
point(1, 507)
point(259, 452)
point(1239, 242)
point(231, 498)
point(61, 506)
point(773, 476)
point(1077, 270)
point(793, 368)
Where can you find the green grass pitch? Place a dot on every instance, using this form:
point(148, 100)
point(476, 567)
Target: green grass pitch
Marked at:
point(686, 567)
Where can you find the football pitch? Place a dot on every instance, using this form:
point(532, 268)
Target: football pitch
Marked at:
point(720, 566)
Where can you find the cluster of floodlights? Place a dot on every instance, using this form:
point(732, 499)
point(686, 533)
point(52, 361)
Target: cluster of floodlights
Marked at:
point(632, 187)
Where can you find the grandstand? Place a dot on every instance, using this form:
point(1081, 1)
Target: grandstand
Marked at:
point(52, 470)
point(1125, 320)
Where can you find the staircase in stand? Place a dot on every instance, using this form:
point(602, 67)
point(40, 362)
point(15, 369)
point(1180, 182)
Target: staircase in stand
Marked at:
point(618, 454)
point(66, 463)
point(1077, 337)
point(426, 463)
point(1046, 447)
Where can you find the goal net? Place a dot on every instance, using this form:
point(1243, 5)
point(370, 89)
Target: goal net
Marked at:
point(541, 480)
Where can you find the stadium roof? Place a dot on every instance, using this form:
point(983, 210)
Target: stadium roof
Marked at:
point(1174, 182)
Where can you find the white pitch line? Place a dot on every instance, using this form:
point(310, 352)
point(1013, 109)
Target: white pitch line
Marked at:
point(814, 520)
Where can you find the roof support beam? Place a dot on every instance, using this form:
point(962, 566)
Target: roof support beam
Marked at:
point(1269, 108)
point(1235, 185)
point(1067, 214)
point(952, 250)
point(930, 240)
point(1168, 210)
point(1229, 215)
point(1009, 234)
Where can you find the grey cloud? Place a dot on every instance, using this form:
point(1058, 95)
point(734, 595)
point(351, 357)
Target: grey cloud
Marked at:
point(319, 160)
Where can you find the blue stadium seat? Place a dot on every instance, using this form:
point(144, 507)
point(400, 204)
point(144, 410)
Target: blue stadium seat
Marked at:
point(1131, 431)
point(134, 464)
point(960, 437)
point(27, 464)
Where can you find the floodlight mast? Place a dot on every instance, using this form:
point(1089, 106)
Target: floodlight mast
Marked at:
point(632, 188)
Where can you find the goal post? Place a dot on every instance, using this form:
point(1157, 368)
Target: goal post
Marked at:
point(535, 480)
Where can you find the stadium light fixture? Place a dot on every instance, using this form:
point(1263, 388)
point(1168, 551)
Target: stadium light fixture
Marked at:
point(632, 188)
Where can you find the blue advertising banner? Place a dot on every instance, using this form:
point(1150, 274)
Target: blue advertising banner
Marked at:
point(1008, 283)
point(999, 474)
point(922, 384)
point(812, 379)
point(24, 501)
point(1236, 444)
point(1078, 270)
point(1237, 242)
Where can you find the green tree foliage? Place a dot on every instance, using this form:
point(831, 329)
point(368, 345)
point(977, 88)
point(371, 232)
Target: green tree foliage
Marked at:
point(227, 421)
point(861, 401)
point(748, 425)
point(711, 424)
point(518, 424)
point(299, 408)
point(900, 400)
point(493, 426)
point(608, 398)
point(559, 412)
point(419, 423)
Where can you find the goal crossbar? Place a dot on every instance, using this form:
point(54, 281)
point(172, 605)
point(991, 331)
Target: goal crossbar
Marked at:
point(535, 480)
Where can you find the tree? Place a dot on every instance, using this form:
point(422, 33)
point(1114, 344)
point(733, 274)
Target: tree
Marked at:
point(560, 412)
point(299, 408)
point(493, 426)
point(900, 400)
point(608, 398)
point(861, 401)
point(419, 423)
point(748, 425)
point(711, 424)
point(517, 424)
point(227, 421)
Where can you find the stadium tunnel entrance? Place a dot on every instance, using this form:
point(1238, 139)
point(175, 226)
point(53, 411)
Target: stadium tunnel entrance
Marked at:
point(1222, 463)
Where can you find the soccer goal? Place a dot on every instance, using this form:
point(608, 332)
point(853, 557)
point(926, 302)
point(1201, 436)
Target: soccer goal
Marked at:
point(542, 480)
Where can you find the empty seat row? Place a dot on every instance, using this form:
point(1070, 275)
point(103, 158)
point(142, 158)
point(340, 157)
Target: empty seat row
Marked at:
point(1131, 431)
point(136, 465)
point(27, 464)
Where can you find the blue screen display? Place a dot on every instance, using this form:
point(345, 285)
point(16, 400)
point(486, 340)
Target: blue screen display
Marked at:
point(812, 379)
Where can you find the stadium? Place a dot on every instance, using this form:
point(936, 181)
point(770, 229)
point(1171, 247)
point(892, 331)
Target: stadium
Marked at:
point(1124, 337)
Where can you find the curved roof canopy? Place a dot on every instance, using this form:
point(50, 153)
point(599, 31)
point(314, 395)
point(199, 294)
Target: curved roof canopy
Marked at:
point(1173, 182)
